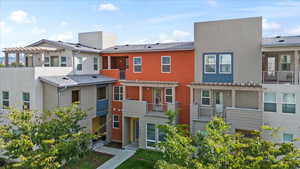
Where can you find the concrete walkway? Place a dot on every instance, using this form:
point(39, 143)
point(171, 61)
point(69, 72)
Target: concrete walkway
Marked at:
point(120, 156)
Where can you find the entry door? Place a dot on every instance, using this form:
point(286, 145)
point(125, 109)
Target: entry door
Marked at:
point(157, 99)
point(219, 102)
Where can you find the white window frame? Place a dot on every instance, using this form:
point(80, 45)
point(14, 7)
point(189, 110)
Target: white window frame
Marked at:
point(114, 121)
point(205, 58)
point(164, 64)
point(166, 95)
point(47, 64)
point(287, 134)
point(220, 55)
point(120, 93)
point(288, 62)
point(282, 103)
point(25, 101)
point(96, 64)
point(134, 64)
point(62, 63)
point(270, 101)
point(78, 61)
point(153, 141)
point(209, 91)
point(5, 99)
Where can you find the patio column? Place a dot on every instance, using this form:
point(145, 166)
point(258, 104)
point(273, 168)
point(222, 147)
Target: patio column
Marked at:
point(124, 92)
point(6, 59)
point(233, 97)
point(43, 59)
point(140, 93)
point(191, 95)
point(174, 95)
point(296, 79)
point(17, 58)
point(108, 62)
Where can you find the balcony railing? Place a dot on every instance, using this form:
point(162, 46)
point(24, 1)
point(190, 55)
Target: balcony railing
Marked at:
point(204, 113)
point(279, 77)
point(161, 109)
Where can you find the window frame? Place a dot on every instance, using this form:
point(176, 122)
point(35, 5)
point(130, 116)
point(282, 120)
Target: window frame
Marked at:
point(26, 101)
point(114, 121)
point(287, 103)
point(63, 64)
point(164, 64)
point(120, 94)
point(79, 95)
point(287, 134)
point(134, 64)
point(220, 64)
point(5, 100)
point(270, 102)
point(215, 64)
point(166, 95)
point(289, 62)
point(79, 61)
point(209, 97)
point(96, 63)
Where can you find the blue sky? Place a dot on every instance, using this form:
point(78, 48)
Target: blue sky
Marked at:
point(135, 21)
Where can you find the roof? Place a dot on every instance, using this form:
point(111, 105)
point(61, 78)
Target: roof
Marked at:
point(150, 47)
point(281, 41)
point(76, 80)
point(69, 45)
point(234, 84)
point(28, 49)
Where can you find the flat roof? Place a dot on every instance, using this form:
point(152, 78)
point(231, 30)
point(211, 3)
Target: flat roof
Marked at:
point(281, 41)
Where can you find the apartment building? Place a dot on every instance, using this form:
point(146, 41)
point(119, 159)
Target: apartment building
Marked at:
point(153, 78)
point(55, 74)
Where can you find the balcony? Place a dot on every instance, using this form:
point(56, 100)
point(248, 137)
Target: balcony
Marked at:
point(161, 109)
point(278, 77)
point(202, 113)
point(114, 73)
point(102, 107)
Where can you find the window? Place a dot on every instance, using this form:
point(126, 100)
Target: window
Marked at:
point(287, 137)
point(166, 64)
point(118, 93)
point(151, 135)
point(161, 135)
point(5, 99)
point(78, 64)
point(75, 96)
point(285, 62)
point(168, 95)
point(47, 61)
point(270, 102)
point(63, 61)
point(210, 63)
point(101, 93)
point(288, 103)
point(225, 63)
point(26, 101)
point(137, 64)
point(96, 63)
point(205, 99)
point(116, 121)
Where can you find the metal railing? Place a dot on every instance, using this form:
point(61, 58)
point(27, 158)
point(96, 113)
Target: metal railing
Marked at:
point(157, 107)
point(278, 77)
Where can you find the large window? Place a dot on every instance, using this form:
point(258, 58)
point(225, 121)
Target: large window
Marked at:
point(118, 93)
point(96, 65)
point(166, 64)
point(5, 99)
point(288, 103)
point(78, 61)
point(75, 96)
point(169, 95)
point(137, 64)
point(210, 64)
point(287, 137)
point(26, 101)
point(205, 97)
point(225, 63)
point(101, 93)
point(285, 62)
point(270, 102)
point(151, 135)
point(63, 61)
point(116, 121)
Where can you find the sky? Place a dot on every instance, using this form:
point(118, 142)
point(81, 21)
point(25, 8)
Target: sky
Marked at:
point(135, 21)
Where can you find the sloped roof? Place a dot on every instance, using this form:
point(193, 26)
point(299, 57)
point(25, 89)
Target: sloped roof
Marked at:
point(76, 80)
point(281, 41)
point(150, 47)
point(68, 45)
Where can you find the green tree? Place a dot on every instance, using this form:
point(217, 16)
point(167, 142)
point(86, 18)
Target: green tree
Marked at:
point(217, 149)
point(47, 141)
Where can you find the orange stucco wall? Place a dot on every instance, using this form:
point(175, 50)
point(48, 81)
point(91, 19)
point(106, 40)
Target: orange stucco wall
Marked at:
point(182, 71)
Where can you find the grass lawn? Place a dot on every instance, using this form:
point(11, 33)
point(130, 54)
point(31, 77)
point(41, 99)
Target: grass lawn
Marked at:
point(142, 159)
point(91, 161)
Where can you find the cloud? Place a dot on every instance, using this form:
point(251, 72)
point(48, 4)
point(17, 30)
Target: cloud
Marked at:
point(63, 23)
point(174, 17)
point(107, 7)
point(21, 17)
point(294, 31)
point(267, 26)
point(39, 31)
point(175, 36)
point(4, 28)
point(65, 36)
point(212, 3)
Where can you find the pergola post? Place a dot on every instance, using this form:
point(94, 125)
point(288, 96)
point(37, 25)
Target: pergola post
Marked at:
point(6, 59)
point(124, 92)
point(140, 93)
point(260, 100)
point(191, 95)
point(43, 59)
point(108, 62)
point(174, 96)
point(233, 97)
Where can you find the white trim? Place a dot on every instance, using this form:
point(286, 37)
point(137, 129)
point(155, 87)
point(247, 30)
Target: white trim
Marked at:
point(23, 101)
point(136, 57)
point(77, 62)
point(162, 64)
point(97, 63)
point(205, 57)
point(230, 72)
point(118, 121)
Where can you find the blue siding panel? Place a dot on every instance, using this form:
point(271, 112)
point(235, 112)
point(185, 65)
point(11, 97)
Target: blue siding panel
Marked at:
point(102, 107)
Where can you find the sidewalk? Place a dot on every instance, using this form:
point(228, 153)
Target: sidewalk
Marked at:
point(120, 156)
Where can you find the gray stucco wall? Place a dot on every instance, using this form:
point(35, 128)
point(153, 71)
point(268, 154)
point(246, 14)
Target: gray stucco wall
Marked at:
point(100, 40)
point(242, 37)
